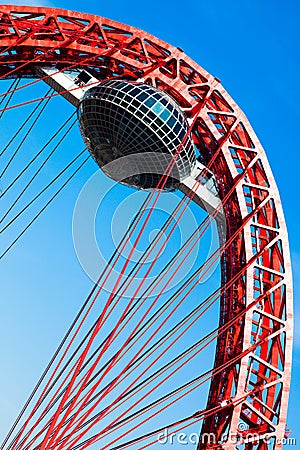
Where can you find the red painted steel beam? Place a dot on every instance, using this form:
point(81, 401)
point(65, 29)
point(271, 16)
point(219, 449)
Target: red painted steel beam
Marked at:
point(32, 36)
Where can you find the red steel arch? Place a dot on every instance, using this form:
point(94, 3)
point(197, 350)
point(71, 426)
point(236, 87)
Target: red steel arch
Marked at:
point(255, 390)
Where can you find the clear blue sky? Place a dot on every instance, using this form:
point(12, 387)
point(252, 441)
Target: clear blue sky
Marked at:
point(253, 47)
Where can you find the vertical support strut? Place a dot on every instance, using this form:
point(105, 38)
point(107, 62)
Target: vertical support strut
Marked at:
point(222, 135)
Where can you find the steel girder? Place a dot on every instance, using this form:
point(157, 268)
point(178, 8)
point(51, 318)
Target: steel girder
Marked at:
point(254, 391)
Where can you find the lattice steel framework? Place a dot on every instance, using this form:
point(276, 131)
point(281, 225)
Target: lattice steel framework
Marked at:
point(257, 388)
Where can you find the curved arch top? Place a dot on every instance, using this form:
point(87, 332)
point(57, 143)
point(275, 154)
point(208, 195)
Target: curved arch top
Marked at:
point(256, 264)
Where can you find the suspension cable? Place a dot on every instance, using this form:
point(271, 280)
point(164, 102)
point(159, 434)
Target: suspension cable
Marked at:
point(28, 132)
point(21, 128)
point(192, 383)
point(165, 180)
point(37, 154)
point(9, 95)
point(65, 338)
point(29, 183)
point(228, 242)
point(44, 207)
point(10, 89)
point(161, 184)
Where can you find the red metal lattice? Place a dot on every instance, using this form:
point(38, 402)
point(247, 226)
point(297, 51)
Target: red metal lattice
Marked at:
point(32, 36)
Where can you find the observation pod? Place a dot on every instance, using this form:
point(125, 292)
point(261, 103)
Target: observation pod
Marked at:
point(121, 119)
point(137, 133)
point(92, 61)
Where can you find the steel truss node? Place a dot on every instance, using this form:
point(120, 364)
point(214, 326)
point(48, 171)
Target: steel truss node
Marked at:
point(255, 390)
